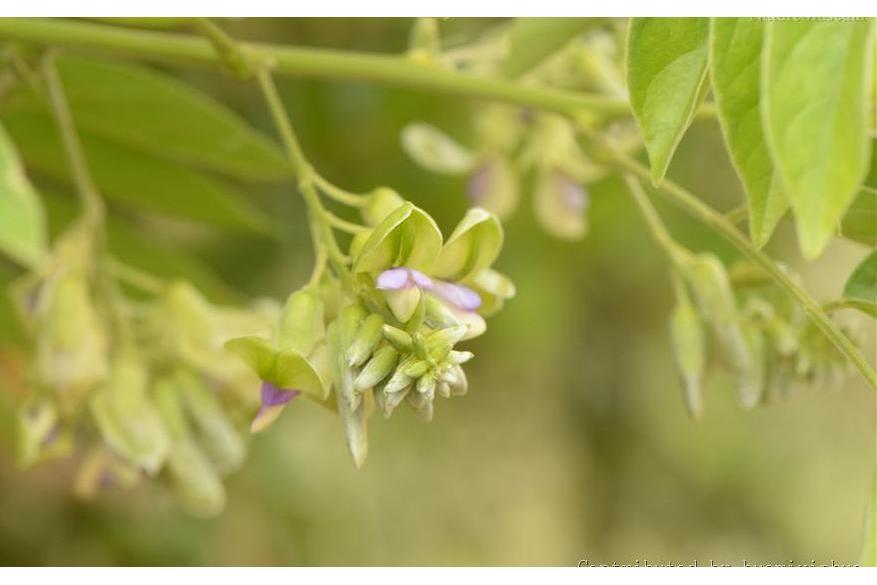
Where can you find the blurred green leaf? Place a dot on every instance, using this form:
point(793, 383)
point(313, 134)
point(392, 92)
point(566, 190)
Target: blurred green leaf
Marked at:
point(532, 40)
point(861, 287)
point(129, 244)
point(137, 180)
point(860, 221)
point(154, 112)
point(735, 53)
point(666, 79)
point(22, 221)
point(816, 109)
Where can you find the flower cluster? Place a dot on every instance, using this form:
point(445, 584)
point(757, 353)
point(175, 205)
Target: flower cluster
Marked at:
point(387, 333)
point(148, 393)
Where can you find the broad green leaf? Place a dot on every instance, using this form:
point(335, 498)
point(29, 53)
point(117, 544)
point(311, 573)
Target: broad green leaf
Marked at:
point(735, 53)
point(860, 221)
point(22, 221)
point(436, 151)
point(137, 180)
point(532, 40)
point(406, 237)
point(861, 287)
point(286, 369)
point(473, 246)
point(666, 79)
point(154, 112)
point(816, 108)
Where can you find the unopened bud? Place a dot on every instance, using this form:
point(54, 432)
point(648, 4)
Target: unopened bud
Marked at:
point(377, 368)
point(301, 324)
point(399, 339)
point(398, 381)
point(381, 202)
point(367, 338)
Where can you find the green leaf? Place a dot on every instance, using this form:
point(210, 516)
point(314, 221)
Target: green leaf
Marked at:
point(532, 40)
point(860, 221)
point(22, 221)
point(666, 79)
point(816, 108)
point(406, 237)
point(473, 246)
point(136, 180)
point(288, 370)
point(435, 151)
point(861, 287)
point(154, 112)
point(735, 53)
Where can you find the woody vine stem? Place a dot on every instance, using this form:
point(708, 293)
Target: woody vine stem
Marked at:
point(181, 49)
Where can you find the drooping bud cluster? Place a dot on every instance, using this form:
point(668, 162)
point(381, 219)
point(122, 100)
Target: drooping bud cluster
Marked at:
point(152, 394)
point(388, 335)
point(759, 337)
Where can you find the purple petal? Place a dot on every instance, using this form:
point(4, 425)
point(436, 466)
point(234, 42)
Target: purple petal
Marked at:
point(393, 279)
point(274, 396)
point(420, 279)
point(575, 198)
point(462, 297)
point(479, 184)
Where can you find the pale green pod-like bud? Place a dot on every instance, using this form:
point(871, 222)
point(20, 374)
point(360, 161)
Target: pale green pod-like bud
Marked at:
point(399, 339)
point(71, 353)
point(751, 383)
point(460, 357)
point(415, 369)
point(351, 407)
point(495, 186)
point(715, 299)
point(381, 203)
point(560, 204)
point(378, 367)
point(421, 403)
point(387, 402)
point(436, 151)
point(426, 384)
point(399, 380)
point(221, 441)
point(302, 322)
point(689, 349)
point(40, 435)
point(126, 418)
point(440, 342)
point(443, 389)
point(367, 338)
point(456, 379)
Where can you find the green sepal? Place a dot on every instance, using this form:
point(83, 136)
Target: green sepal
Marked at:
point(473, 246)
point(286, 369)
point(302, 322)
point(406, 237)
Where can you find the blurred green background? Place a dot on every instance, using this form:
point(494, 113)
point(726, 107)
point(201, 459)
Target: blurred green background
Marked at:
point(573, 442)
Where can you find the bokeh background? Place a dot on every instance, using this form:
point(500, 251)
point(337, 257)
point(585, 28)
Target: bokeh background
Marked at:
point(573, 443)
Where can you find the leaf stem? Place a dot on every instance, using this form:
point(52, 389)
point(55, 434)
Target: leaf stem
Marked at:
point(338, 194)
point(693, 206)
point(659, 231)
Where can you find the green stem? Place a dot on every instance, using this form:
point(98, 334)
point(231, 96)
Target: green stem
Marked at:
point(659, 231)
point(305, 174)
point(174, 48)
point(92, 204)
point(344, 225)
point(339, 194)
point(689, 203)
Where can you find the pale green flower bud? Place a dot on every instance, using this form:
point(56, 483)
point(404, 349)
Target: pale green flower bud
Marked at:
point(302, 322)
point(436, 151)
point(381, 203)
point(440, 342)
point(367, 338)
point(426, 384)
point(455, 378)
point(398, 381)
point(415, 368)
point(40, 433)
point(403, 302)
point(378, 367)
point(443, 389)
point(689, 349)
point(460, 357)
point(399, 339)
point(495, 186)
point(388, 401)
point(560, 204)
point(351, 408)
point(422, 402)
